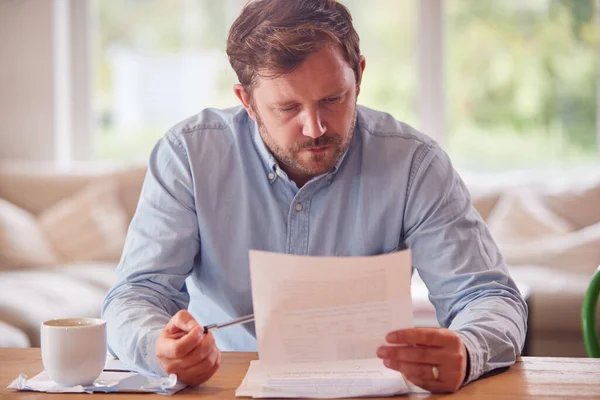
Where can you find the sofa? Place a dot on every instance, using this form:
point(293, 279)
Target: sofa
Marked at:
point(62, 231)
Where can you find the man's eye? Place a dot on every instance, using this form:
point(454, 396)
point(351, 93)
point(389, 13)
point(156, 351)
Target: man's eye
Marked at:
point(332, 100)
point(288, 109)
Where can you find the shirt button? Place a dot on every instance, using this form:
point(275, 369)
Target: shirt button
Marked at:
point(271, 176)
point(298, 207)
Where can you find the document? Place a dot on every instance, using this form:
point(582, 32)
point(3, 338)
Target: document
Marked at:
point(324, 317)
point(331, 379)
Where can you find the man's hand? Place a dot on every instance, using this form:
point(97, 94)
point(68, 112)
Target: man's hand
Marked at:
point(425, 352)
point(183, 349)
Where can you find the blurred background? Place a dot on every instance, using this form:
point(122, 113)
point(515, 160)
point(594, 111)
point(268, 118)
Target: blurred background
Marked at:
point(501, 84)
point(508, 88)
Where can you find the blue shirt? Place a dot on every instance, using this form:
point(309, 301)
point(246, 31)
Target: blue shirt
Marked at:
point(213, 191)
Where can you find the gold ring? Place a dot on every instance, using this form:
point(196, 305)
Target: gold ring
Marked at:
point(436, 372)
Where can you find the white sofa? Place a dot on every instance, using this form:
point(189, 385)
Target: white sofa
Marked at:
point(548, 233)
point(83, 214)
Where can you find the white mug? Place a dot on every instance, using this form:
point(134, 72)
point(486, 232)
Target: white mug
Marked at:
point(74, 350)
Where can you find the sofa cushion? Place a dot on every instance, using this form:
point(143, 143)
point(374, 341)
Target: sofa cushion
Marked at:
point(130, 182)
point(575, 252)
point(88, 226)
point(33, 296)
point(13, 337)
point(578, 202)
point(555, 300)
point(23, 244)
point(37, 186)
point(522, 215)
point(485, 201)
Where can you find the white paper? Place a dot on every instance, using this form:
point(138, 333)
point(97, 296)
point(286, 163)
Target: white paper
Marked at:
point(319, 321)
point(331, 379)
point(310, 309)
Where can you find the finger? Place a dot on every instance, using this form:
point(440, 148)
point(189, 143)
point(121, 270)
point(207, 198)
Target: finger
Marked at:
point(207, 362)
point(434, 337)
point(180, 366)
point(416, 370)
point(180, 348)
point(182, 321)
point(418, 354)
point(432, 386)
point(198, 374)
point(200, 353)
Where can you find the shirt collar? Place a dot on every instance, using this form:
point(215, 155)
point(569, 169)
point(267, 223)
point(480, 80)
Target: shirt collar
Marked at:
point(265, 155)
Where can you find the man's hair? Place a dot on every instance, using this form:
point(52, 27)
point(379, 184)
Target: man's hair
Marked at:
point(272, 37)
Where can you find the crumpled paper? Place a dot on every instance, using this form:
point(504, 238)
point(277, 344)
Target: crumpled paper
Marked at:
point(107, 382)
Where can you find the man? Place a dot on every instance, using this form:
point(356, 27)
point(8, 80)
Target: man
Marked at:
point(301, 169)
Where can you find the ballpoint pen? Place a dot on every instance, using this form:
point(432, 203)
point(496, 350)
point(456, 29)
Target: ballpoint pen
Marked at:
point(236, 321)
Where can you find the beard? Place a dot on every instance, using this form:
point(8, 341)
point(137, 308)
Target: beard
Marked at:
point(316, 163)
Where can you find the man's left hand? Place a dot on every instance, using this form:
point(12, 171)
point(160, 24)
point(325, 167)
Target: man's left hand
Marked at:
point(432, 358)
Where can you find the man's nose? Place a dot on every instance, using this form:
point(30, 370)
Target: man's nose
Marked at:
point(314, 126)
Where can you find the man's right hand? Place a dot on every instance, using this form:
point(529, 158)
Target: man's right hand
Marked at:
point(183, 349)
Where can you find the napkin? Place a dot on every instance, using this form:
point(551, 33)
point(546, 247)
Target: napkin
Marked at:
point(108, 382)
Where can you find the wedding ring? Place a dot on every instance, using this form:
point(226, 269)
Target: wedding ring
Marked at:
point(436, 372)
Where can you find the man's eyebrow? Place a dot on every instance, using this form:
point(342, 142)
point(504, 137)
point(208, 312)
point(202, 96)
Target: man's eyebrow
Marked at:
point(336, 93)
point(286, 103)
point(283, 103)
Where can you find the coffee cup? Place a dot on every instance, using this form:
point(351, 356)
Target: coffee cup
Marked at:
point(73, 350)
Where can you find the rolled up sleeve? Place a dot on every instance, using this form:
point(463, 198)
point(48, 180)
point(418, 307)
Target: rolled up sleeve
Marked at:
point(458, 260)
point(161, 246)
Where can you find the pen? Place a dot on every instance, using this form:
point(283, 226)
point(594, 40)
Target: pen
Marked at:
point(236, 321)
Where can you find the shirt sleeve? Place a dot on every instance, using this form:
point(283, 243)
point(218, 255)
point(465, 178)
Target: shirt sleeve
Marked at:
point(161, 245)
point(458, 260)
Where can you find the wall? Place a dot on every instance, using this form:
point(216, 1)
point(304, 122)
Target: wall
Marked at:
point(26, 80)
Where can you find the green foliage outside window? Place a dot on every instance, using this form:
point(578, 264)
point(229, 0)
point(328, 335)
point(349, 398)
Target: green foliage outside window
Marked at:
point(521, 77)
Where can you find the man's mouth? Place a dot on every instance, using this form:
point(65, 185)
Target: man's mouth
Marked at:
point(318, 149)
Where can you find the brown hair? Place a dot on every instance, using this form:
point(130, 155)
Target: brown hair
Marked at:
point(272, 37)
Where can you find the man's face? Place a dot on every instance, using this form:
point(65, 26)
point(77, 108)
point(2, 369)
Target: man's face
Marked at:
point(307, 117)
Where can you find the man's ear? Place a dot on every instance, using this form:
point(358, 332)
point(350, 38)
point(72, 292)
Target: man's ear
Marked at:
point(362, 64)
point(242, 94)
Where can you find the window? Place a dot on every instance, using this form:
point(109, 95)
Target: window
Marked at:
point(518, 91)
point(521, 83)
point(387, 40)
point(157, 62)
point(160, 61)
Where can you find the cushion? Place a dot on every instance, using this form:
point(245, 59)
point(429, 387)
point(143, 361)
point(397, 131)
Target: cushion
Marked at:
point(130, 185)
point(12, 337)
point(23, 243)
point(521, 215)
point(576, 252)
point(577, 202)
point(32, 296)
point(90, 225)
point(485, 201)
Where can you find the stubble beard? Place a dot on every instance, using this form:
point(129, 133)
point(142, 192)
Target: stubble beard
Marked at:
point(290, 157)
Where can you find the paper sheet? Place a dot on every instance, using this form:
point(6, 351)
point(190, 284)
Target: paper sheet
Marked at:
point(319, 321)
point(333, 379)
point(310, 309)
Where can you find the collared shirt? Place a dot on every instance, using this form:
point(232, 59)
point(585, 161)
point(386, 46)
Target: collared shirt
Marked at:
point(213, 191)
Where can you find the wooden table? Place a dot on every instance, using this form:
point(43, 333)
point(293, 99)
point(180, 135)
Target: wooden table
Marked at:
point(529, 378)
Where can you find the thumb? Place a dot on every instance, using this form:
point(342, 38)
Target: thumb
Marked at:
point(182, 321)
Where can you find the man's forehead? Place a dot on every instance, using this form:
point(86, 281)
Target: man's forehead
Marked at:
point(326, 67)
